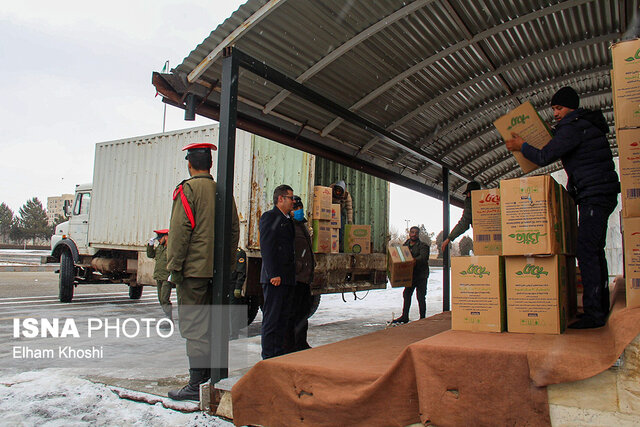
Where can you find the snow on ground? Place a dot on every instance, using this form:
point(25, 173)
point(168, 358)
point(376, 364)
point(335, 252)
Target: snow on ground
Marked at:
point(52, 398)
point(60, 397)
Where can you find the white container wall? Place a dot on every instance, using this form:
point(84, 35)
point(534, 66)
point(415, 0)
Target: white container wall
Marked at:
point(134, 179)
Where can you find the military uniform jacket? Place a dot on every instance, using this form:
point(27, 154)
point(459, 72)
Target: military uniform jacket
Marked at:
point(190, 249)
point(160, 271)
point(277, 247)
point(419, 252)
point(239, 273)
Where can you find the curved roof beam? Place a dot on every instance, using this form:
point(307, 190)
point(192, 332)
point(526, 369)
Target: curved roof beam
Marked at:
point(497, 143)
point(604, 70)
point(458, 46)
point(433, 136)
point(508, 67)
point(346, 47)
point(502, 159)
point(241, 29)
point(469, 83)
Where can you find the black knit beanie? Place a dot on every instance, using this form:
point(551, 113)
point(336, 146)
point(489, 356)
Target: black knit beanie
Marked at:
point(566, 97)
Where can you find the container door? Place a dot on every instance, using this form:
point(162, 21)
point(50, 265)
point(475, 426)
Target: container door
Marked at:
point(79, 221)
point(275, 164)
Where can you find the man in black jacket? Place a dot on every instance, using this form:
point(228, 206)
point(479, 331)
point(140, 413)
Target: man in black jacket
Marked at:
point(278, 276)
point(305, 263)
point(420, 253)
point(580, 142)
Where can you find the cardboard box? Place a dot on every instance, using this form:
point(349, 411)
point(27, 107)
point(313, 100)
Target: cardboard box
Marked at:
point(400, 265)
point(525, 121)
point(357, 239)
point(321, 241)
point(629, 160)
point(477, 293)
point(487, 226)
point(335, 240)
point(536, 294)
point(531, 216)
point(335, 215)
point(626, 83)
point(631, 242)
point(322, 199)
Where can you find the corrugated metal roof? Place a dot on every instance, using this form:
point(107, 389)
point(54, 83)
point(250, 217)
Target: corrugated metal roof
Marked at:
point(436, 73)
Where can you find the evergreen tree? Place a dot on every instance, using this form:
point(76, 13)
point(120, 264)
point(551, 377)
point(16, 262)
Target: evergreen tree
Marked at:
point(439, 240)
point(33, 220)
point(6, 219)
point(465, 245)
point(58, 220)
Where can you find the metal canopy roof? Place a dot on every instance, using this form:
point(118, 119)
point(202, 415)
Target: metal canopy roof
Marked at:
point(435, 74)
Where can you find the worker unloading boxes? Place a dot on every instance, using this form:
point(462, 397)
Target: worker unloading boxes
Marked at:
point(580, 142)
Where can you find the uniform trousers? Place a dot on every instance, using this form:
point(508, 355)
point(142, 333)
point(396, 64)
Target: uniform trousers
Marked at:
point(194, 308)
point(164, 296)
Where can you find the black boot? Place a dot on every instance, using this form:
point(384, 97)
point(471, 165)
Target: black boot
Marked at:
point(400, 320)
point(192, 390)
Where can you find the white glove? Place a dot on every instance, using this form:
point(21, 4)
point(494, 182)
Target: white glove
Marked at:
point(152, 241)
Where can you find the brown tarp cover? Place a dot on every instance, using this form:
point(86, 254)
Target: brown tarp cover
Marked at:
point(424, 372)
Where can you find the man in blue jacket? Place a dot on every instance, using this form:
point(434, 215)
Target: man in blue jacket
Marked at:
point(278, 274)
point(580, 142)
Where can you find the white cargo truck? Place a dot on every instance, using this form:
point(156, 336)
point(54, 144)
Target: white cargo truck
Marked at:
point(113, 218)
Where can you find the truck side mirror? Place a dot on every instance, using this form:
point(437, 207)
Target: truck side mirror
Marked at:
point(66, 208)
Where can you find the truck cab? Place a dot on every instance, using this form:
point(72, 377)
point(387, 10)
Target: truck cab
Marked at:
point(79, 261)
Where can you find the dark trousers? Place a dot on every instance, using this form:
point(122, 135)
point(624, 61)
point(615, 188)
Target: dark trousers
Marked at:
point(592, 235)
point(420, 286)
point(301, 304)
point(276, 319)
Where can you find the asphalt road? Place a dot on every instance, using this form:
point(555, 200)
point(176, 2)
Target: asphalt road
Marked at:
point(151, 359)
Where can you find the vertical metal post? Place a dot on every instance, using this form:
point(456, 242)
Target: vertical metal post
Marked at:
point(446, 278)
point(224, 199)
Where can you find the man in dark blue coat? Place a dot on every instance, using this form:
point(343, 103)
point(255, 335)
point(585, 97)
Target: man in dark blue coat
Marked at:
point(580, 142)
point(277, 236)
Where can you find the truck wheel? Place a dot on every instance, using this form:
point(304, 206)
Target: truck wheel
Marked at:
point(67, 274)
point(314, 305)
point(135, 292)
point(253, 305)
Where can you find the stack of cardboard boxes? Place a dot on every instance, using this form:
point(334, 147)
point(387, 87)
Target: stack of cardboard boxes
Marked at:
point(335, 228)
point(326, 224)
point(524, 241)
point(321, 219)
point(626, 104)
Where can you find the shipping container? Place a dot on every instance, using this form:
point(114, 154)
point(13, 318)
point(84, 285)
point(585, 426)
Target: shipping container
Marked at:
point(131, 195)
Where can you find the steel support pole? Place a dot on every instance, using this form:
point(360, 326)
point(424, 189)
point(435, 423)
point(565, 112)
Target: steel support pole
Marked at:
point(224, 199)
point(446, 278)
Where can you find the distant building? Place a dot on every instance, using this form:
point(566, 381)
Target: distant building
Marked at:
point(55, 206)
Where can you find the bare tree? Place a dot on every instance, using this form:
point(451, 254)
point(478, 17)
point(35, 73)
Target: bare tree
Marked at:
point(395, 237)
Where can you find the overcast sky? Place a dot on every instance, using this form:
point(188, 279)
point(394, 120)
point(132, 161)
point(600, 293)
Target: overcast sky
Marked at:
point(75, 73)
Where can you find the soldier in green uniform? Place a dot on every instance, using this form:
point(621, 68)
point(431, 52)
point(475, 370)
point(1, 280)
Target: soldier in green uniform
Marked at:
point(160, 272)
point(238, 276)
point(190, 262)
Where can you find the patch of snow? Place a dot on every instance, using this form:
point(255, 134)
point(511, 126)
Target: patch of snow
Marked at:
point(52, 398)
